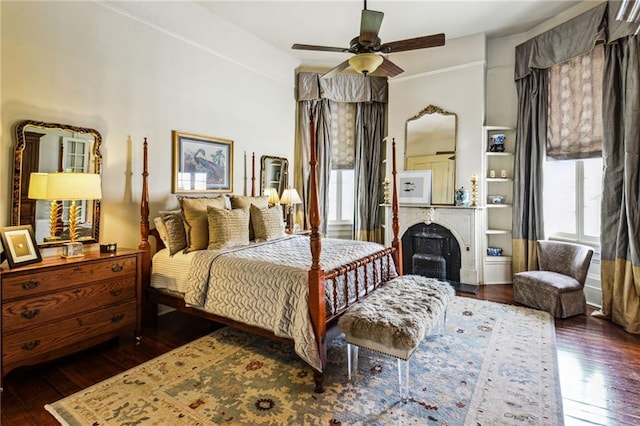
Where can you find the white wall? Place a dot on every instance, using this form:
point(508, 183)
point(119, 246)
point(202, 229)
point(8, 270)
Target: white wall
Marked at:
point(137, 69)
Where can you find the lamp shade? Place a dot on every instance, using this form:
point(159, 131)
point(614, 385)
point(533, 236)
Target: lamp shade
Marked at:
point(272, 193)
point(65, 186)
point(366, 63)
point(290, 196)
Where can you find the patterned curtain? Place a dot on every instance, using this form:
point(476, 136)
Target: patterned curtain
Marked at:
point(575, 104)
point(620, 214)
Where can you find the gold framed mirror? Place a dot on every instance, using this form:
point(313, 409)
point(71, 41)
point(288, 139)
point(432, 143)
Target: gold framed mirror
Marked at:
point(274, 172)
point(47, 148)
point(430, 144)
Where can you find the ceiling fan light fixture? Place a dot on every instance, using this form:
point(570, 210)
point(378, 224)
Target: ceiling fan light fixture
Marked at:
point(366, 63)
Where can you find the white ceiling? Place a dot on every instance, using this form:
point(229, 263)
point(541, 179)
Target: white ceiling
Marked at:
point(335, 23)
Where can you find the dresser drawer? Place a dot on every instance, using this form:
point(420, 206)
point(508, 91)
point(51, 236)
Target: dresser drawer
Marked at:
point(65, 276)
point(18, 348)
point(40, 309)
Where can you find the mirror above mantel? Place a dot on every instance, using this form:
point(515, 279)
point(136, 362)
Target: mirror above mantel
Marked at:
point(430, 144)
point(48, 148)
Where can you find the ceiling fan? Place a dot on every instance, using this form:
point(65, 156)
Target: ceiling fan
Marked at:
point(368, 48)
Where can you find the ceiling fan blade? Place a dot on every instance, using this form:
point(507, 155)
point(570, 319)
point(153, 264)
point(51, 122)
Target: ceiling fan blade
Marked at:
point(434, 40)
point(390, 69)
point(319, 48)
point(335, 70)
point(370, 23)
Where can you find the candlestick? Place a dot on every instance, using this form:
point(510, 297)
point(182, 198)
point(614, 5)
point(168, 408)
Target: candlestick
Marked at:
point(474, 190)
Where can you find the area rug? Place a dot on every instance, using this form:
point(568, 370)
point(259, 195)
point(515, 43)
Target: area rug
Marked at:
point(496, 364)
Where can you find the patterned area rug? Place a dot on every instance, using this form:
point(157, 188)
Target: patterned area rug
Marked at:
point(496, 364)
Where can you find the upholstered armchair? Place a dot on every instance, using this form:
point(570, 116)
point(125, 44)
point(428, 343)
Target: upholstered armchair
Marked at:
point(557, 286)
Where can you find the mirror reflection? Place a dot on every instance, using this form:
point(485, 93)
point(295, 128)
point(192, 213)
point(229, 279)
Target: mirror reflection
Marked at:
point(273, 174)
point(48, 148)
point(430, 144)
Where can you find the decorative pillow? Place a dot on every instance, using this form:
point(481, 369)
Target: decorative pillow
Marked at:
point(195, 218)
point(267, 222)
point(241, 201)
point(228, 228)
point(162, 230)
point(176, 233)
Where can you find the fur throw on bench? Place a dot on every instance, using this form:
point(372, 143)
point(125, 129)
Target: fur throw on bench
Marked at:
point(399, 315)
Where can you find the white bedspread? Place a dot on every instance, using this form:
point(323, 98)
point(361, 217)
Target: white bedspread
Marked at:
point(266, 285)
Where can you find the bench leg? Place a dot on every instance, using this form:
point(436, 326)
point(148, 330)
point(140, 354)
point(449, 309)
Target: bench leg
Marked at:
point(440, 325)
point(352, 362)
point(403, 379)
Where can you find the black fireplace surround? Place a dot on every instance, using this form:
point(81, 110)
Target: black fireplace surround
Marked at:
point(431, 251)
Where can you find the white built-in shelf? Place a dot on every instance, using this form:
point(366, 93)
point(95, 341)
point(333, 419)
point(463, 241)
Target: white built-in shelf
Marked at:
point(497, 206)
point(499, 154)
point(499, 180)
point(497, 231)
point(497, 259)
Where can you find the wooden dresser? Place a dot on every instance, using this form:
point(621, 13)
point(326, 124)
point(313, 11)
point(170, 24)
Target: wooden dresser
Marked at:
point(60, 306)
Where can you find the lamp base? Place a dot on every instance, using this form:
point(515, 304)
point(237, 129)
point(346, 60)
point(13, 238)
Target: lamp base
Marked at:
point(51, 238)
point(70, 250)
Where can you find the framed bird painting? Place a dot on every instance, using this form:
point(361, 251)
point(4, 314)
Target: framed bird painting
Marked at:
point(201, 163)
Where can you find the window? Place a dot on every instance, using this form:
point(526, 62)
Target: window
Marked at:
point(341, 188)
point(572, 187)
point(572, 194)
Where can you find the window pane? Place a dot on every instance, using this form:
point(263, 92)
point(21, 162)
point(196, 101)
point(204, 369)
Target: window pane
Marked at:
point(333, 199)
point(559, 197)
point(592, 196)
point(347, 195)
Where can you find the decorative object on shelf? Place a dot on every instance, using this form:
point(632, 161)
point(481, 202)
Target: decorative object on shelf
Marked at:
point(497, 142)
point(19, 245)
point(108, 247)
point(496, 199)
point(414, 187)
point(463, 197)
point(39, 190)
point(289, 198)
point(503, 174)
point(387, 189)
point(492, 173)
point(201, 163)
point(474, 190)
point(494, 251)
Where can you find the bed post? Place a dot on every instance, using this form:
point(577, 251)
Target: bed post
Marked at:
point(149, 314)
point(317, 307)
point(395, 226)
point(253, 174)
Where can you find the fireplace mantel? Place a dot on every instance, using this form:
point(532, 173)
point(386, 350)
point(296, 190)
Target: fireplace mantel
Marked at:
point(463, 222)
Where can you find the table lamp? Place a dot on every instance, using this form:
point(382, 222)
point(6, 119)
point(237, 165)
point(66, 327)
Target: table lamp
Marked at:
point(272, 193)
point(68, 187)
point(289, 198)
point(39, 190)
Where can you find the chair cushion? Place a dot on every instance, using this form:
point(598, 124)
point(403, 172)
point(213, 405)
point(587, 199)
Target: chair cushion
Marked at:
point(547, 280)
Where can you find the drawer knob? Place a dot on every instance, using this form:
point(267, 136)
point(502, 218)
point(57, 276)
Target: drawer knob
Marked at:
point(117, 292)
point(30, 345)
point(30, 314)
point(77, 269)
point(117, 268)
point(117, 318)
point(30, 285)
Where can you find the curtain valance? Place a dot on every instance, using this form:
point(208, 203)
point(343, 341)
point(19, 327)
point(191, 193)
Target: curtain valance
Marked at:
point(561, 43)
point(341, 88)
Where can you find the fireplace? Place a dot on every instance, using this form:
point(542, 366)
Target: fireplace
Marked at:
point(431, 250)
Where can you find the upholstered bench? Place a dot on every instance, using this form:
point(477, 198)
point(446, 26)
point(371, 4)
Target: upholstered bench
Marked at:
point(394, 320)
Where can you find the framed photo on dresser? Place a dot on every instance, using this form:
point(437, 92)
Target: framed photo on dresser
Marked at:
point(19, 244)
point(201, 163)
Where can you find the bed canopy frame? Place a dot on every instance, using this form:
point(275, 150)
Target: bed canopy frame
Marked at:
point(325, 328)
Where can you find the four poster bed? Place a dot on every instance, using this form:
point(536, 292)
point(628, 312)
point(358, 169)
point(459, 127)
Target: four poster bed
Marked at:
point(281, 288)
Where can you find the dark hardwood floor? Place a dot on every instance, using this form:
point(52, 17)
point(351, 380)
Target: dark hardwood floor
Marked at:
point(599, 367)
